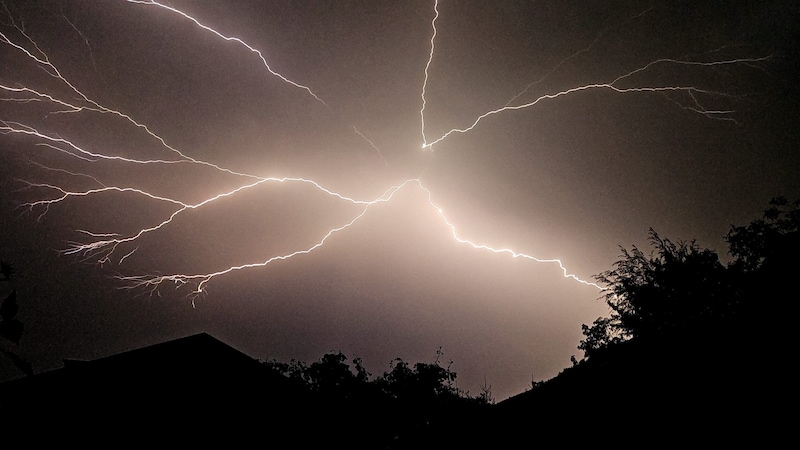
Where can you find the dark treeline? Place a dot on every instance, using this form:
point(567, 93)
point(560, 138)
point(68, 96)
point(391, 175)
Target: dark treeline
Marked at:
point(406, 407)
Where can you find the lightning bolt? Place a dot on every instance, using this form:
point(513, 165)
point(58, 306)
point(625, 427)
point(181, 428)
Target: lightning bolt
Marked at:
point(613, 86)
point(103, 247)
point(372, 144)
point(573, 56)
point(427, 66)
point(231, 39)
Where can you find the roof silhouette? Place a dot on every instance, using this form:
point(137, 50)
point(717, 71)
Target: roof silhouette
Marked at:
point(196, 379)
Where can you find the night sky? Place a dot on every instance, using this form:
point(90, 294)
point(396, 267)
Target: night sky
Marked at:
point(700, 139)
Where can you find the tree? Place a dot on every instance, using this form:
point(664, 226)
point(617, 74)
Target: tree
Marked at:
point(332, 376)
point(675, 287)
point(680, 289)
point(10, 327)
point(769, 240)
point(765, 269)
point(426, 382)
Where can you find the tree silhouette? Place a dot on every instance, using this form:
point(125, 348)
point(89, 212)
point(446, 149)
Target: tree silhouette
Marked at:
point(682, 289)
point(767, 243)
point(403, 408)
point(10, 327)
point(765, 269)
point(677, 287)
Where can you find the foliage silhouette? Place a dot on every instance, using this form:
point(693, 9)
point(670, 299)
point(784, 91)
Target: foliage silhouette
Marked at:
point(403, 408)
point(682, 289)
point(766, 244)
point(11, 328)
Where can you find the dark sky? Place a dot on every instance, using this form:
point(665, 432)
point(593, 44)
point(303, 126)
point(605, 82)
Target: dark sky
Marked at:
point(690, 145)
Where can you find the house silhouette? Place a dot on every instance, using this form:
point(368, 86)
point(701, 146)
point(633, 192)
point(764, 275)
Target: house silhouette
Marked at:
point(196, 380)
